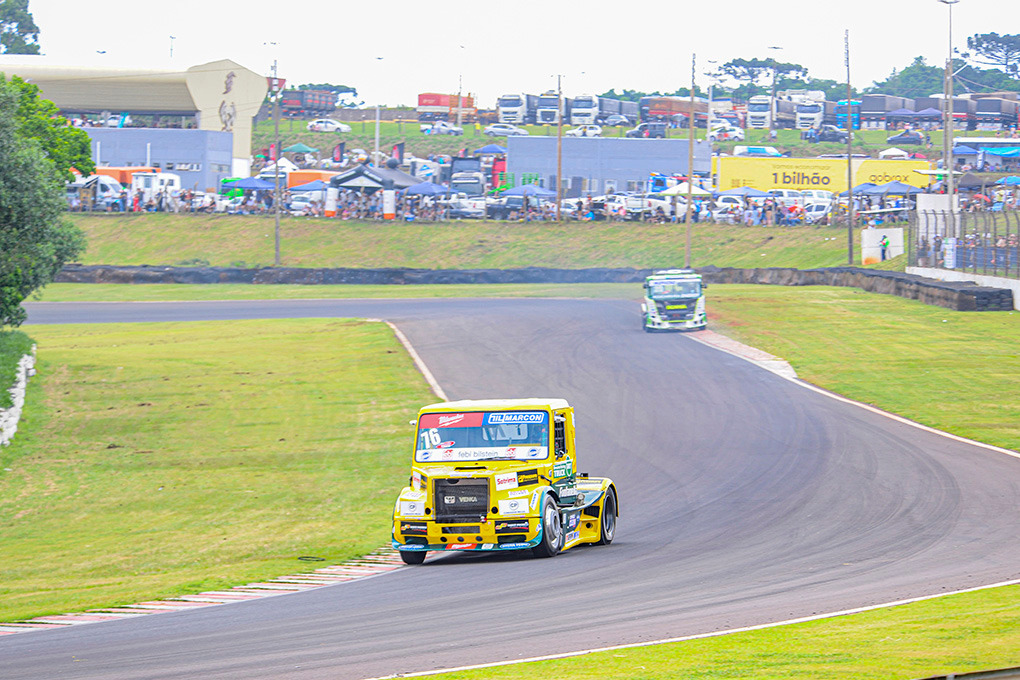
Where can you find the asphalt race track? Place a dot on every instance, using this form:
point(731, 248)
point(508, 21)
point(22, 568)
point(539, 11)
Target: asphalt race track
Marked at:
point(745, 499)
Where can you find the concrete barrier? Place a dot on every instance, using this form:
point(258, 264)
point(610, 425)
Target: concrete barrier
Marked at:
point(958, 295)
point(9, 417)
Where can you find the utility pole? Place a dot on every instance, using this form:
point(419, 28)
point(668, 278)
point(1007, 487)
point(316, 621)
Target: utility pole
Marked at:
point(849, 155)
point(773, 108)
point(947, 136)
point(690, 168)
point(559, 146)
point(276, 164)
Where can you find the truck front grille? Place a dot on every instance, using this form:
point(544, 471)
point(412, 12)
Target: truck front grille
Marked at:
point(460, 500)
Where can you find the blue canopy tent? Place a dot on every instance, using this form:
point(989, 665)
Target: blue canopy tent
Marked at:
point(491, 148)
point(530, 190)
point(314, 185)
point(1002, 153)
point(427, 189)
point(1011, 181)
point(861, 188)
point(964, 150)
point(744, 192)
point(250, 183)
point(895, 188)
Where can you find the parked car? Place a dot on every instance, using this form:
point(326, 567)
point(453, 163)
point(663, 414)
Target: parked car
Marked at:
point(816, 212)
point(906, 137)
point(584, 131)
point(812, 196)
point(504, 130)
point(327, 125)
point(441, 127)
point(831, 133)
point(458, 209)
point(300, 204)
point(617, 119)
point(726, 133)
point(650, 129)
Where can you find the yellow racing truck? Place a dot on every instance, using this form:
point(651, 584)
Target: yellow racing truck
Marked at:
point(674, 300)
point(500, 474)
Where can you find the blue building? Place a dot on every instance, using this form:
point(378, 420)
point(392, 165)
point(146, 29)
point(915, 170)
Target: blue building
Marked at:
point(200, 157)
point(598, 165)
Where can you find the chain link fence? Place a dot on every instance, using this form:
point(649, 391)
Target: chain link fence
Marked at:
point(985, 243)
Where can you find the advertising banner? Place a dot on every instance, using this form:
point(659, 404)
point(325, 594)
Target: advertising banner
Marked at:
point(827, 174)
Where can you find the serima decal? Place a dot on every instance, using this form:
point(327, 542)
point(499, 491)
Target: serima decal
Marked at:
point(412, 508)
point(512, 525)
point(507, 480)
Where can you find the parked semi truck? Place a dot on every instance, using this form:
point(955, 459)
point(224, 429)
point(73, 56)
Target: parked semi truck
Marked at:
point(518, 109)
point(764, 112)
point(815, 114)
point(875, 108)
point(307, 102)
point(549, 108)
point(433, 106)
point(587, 109)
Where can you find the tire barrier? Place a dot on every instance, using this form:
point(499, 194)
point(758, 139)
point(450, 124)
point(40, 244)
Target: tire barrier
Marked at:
point(957, 295)
point(9, 417)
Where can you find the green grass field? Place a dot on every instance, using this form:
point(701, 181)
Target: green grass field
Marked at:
point(248, 241)
point(164, 459)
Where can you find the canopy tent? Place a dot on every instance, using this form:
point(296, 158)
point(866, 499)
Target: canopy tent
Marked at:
point(970, 181)
point(1011, 181)
point(491, 148)
point(901, 113)
point(371, 178)
point(530, 190)
point(427, 189)
point(895, 188)
point(893, 153)
point(314, 185)
point(682, 189)
point(745, 192)
point(285, 166)
point(964, 150)
point(251, 183)
point(300, 147)
point(860, 188)
point(1002, 153)
point(928, 113)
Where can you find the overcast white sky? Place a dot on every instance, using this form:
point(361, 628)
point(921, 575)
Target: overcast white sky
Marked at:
point(426, 45)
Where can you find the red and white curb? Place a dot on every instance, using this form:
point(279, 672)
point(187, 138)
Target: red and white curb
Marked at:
point(378, 562)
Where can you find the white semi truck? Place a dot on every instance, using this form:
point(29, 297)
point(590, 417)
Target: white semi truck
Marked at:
point(674, 300)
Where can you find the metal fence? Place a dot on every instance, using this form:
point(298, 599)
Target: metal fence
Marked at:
point(980, 242)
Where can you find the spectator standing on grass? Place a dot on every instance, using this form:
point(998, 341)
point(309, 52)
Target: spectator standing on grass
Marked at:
point(884, 245)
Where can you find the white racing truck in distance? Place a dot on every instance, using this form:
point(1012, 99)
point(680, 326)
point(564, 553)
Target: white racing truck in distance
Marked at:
point(674, 300)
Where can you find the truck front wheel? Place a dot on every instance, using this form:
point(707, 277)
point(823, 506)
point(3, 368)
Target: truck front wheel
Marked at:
point(552, 530)
point(412, 556)
point(607, 521)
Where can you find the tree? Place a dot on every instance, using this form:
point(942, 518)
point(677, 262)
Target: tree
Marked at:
point(35, 239)
point(67, 147)
point(992, 49)
point(916, 80)
point(18, 32)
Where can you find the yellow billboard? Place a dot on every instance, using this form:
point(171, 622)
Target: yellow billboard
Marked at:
point(828, 174)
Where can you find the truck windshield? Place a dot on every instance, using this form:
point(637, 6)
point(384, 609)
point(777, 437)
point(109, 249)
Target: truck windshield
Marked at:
point(548, 102)
point(584, 104)
point(473, 436)
point(665, 290)
point(509, 101)
point(809, 108)
point(758, 108)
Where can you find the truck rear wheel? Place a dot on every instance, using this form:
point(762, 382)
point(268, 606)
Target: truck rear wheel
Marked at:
point(607, 520)
point(552, 530)
point(412, 556)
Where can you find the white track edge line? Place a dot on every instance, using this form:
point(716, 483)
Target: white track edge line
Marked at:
point(429, 378)
point(867, 407)
point(698, 636)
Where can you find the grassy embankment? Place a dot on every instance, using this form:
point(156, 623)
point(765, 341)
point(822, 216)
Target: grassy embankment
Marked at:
point(247, 241)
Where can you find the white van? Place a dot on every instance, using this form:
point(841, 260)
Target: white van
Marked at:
point(152, 184)
point(816, 196)
point(787, 197)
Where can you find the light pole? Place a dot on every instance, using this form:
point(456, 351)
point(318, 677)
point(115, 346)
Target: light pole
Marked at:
point(772, 102)
point(849, 156)
point(947, 136)
point(559, 147)
point(172, 38)
point(690, 168)
point(276, 164)
point(375, 157)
